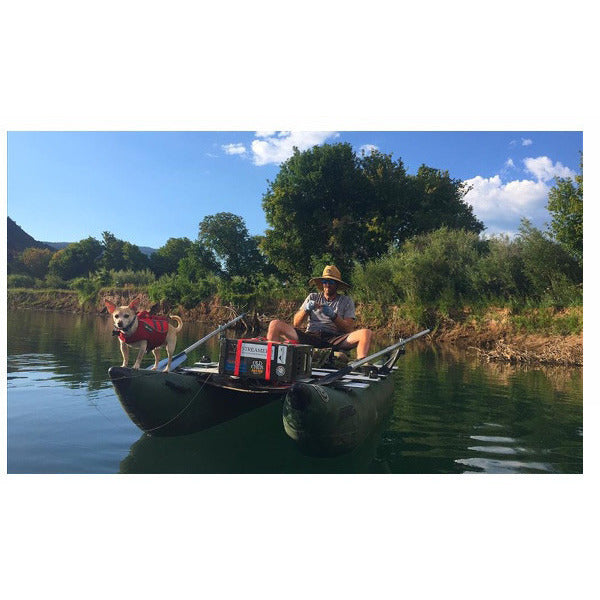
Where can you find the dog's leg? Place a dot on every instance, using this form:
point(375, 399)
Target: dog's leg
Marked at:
point(171, 342)
point(124, 353)
point(170, 347)
point(156, 353)
point(138, 360)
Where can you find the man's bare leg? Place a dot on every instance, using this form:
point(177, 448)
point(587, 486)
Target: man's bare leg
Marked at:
point(280, 330)
point(363, 337)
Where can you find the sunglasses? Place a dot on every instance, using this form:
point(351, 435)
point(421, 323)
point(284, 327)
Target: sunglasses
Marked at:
point(328, 281)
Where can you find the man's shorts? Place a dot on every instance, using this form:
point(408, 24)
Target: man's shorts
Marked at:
point(325, 339)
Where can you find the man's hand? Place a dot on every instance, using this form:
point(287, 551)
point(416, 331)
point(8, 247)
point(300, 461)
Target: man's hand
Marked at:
point(329, 312)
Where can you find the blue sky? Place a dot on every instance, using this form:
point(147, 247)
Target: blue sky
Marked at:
point(146, 187)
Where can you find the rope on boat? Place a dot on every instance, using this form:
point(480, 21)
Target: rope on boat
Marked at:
point(181, 411)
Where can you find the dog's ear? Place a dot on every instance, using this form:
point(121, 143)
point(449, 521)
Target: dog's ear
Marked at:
point(111, 307)
point(134, 303)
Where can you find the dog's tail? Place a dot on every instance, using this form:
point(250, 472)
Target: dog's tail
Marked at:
point(179, 322)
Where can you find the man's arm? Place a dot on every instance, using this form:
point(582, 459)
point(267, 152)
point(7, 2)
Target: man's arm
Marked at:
point(299, 318)
point(345, 325)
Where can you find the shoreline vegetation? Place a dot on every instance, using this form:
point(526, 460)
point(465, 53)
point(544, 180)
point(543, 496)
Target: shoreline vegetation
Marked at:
point(533, 336)
point(409, 245)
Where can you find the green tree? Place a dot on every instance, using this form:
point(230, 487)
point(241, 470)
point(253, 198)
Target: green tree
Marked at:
point(387, 213)
point(166, 258)
point(553, 274)
point(312, 207)
point(36, 261)
point(118, 254)
point(326, 200)
point(134, 258)
point(226, 235)
point(197, 263)
point(76, 260)
point(565, 204)
point(437, 200)
point(112, 255)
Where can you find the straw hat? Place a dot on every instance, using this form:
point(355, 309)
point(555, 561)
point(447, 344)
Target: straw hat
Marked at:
point(330, 272)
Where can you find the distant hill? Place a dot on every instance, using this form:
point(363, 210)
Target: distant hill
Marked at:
point(17, 240)
point(56, 245)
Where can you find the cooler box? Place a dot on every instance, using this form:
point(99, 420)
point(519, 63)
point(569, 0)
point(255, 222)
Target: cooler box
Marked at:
point(258, 359)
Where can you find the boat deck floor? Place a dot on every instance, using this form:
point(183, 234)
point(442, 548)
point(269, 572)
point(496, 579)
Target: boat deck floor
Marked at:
point(354, 379)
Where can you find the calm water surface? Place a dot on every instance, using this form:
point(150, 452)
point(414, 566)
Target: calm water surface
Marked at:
point(452, 414)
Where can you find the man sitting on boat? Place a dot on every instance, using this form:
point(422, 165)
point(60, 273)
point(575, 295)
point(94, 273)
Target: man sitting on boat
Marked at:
point(330, 318)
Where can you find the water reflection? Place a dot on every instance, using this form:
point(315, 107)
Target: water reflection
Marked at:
point(252, 443)
point(73, 349)
point(455, 415)
point(452, 414)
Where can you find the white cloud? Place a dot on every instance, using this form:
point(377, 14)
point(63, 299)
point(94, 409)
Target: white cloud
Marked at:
point(509, 164)
point(501, 206)
point(543, 168)
point(234, 148)
point(523, 142)
point(275, 147)
point(367, 149)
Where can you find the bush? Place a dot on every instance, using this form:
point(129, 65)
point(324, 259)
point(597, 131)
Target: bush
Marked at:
point(270, 291)
point(447, 269)
point(238, 291)
point(87, 288)
point(128, 277)
point(549, 320)
point(176, 289)
point(553, 275)
point(500, 272)
point(367, 280)
point(54, 282)
point(20, 281)
point(438, 268)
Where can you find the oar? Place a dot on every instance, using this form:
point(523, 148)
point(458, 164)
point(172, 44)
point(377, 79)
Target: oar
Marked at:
point(180, 358)
point(357, 363)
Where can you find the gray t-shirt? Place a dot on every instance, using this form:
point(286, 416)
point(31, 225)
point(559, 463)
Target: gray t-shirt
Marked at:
point(343, 305)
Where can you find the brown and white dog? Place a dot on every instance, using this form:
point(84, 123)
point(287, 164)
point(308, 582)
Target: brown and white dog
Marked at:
point(143, 331)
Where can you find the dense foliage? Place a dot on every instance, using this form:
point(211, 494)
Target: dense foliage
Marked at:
point(36, 261)
point(451, 268)
point(565, 204)
point(226, 236)
point(166, 258)
point(76, 260)
point(402, 240)
point(328, 200)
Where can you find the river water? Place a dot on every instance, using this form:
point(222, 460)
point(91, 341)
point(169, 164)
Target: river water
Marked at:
point(452, 414)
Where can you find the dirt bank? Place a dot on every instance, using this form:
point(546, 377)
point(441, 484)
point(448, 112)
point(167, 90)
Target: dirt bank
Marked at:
point(494, 336)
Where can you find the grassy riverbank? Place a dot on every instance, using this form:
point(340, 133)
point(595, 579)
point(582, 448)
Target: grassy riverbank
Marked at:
point(528, 335)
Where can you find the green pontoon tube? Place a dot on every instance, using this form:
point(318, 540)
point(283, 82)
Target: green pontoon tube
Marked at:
point(338, 410)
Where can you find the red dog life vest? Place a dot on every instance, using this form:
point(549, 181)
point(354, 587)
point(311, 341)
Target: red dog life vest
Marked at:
point(152, 328)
